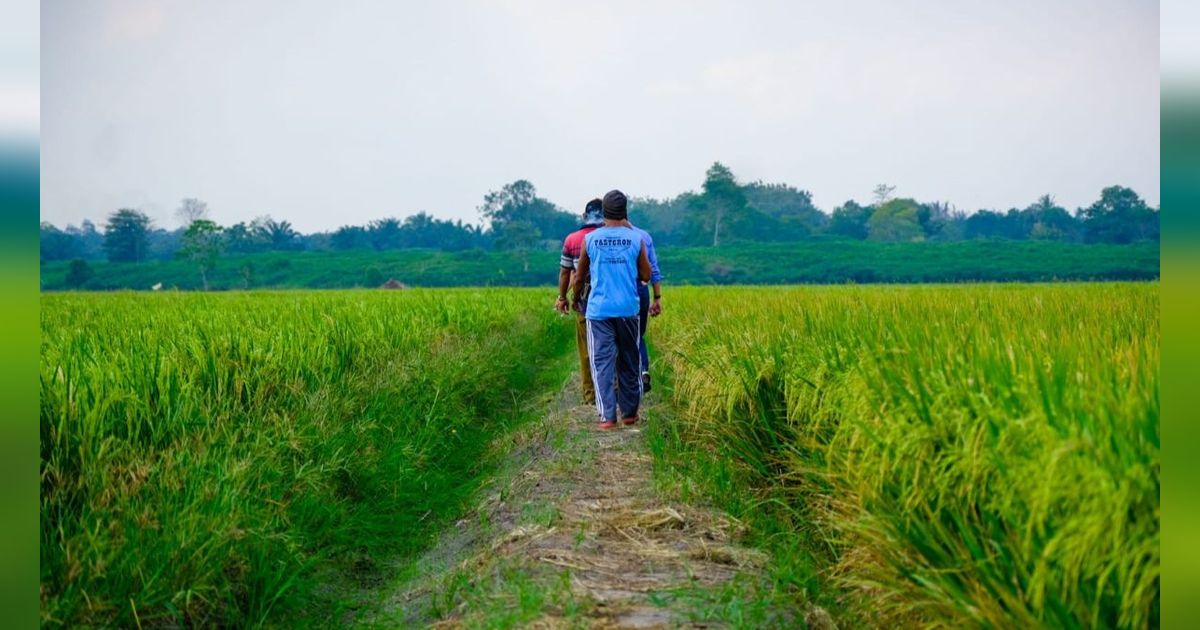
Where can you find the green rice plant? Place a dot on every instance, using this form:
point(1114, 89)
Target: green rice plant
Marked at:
point(205, 459)
point(960, 455)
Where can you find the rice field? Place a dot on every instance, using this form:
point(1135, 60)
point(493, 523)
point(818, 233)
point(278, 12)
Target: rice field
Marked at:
point(205, 457)
point(954, 456)
point(934, 456)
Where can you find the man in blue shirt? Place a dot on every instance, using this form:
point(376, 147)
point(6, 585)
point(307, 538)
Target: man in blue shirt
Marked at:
point(614, 258)
point(648, 308)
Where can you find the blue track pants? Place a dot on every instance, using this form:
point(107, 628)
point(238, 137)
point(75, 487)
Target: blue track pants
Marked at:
point(614, 348)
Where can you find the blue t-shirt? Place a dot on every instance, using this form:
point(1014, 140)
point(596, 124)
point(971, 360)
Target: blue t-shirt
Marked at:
point(655, 274)
point(612, 260)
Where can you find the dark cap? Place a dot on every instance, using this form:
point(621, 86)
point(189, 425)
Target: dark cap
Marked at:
point(615, 205)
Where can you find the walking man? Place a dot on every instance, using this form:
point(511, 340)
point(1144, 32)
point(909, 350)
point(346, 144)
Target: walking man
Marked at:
point(647, 308)
point(568, 264)
point(614, 259)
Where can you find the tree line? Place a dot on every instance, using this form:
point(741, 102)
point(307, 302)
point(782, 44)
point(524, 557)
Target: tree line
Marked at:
point(516, 218)
point(727, 211)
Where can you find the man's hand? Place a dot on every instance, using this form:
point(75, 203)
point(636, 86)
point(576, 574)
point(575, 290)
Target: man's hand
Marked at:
point(561, 305)
point(656, 307)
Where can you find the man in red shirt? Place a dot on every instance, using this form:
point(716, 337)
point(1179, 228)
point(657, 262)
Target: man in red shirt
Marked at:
point(593, 217)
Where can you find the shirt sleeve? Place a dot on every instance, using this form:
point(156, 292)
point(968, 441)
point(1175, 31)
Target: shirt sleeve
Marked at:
point(655, 274)
point(568, 260)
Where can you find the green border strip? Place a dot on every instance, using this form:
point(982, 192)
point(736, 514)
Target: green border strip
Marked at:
point(1180, 492)
point(19, 205)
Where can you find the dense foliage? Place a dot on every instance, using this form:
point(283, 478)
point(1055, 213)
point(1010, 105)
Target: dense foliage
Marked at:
point(724, 212)
point(977, 456)
point(204, 458)
point(815, 261)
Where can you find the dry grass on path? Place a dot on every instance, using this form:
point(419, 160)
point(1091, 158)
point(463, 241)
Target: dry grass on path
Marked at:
point(574, 534)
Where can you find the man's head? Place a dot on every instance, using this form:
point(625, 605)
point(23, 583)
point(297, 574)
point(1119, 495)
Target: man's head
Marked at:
point(615, 205)
point(593, 213)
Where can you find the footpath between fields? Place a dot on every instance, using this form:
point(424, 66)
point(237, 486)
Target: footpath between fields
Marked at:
point(572, 531)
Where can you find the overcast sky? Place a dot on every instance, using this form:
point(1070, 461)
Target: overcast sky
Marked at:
point(330, 113)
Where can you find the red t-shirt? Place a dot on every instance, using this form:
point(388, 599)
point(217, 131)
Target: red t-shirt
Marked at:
point(573, 246)
point(572, 250)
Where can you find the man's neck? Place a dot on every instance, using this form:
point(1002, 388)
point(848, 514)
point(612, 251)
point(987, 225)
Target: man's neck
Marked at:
point(614, 223)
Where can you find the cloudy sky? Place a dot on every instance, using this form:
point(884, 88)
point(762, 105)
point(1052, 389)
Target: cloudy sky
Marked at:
point(331, 113)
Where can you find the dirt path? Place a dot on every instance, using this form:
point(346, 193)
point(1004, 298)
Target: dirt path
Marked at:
point(573, 533)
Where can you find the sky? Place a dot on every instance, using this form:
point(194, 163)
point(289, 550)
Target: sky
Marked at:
point(333, 113)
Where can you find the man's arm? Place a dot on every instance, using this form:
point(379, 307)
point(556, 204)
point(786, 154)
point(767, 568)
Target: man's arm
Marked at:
point(655, 274)
point(583, 270)
point(564, 280)
point(655, 278)
point(643, 264)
